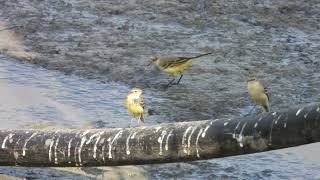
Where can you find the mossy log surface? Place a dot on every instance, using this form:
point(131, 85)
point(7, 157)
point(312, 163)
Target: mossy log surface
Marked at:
point(163, 143)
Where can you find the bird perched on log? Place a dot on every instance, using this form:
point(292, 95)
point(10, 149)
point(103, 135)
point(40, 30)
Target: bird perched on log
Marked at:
point(135, 104)
point(258, 93)
point(174, 65)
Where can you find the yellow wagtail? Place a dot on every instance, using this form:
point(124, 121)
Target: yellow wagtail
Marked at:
point(258, 93)
point(174, 65)
point(135, 104)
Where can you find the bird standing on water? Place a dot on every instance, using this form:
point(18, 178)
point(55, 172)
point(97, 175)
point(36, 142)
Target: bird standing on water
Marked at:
point(174, 65)
point(135, 104)
point(258, 93)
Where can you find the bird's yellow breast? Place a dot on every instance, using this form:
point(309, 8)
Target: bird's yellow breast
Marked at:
point(134, 108)
point(177, 69)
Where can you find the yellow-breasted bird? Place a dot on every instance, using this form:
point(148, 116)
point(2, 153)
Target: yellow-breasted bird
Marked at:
point(174, 65)
point(258, 93)
point(135, 104)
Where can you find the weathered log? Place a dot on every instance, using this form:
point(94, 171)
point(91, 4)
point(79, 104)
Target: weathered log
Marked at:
point(161, 143)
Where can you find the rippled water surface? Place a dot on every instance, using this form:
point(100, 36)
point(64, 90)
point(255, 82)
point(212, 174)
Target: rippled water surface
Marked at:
point(34, 96)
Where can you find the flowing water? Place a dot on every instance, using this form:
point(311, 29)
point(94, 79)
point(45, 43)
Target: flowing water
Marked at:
point(71, 63)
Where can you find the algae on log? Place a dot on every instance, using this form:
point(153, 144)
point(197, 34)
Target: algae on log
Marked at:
point(161, 143)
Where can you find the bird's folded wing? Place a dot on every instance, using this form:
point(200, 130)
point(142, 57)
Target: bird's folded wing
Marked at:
point(174, 61)
point(141, 102)
point(267, 93)
point(265, 89)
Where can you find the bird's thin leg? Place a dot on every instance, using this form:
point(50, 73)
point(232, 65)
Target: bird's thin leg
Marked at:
point(131, 121)
point(181, 75)
point(138, 121)
point(171, 81)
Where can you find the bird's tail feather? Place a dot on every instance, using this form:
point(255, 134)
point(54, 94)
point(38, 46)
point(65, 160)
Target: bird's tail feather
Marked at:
point(201, 55)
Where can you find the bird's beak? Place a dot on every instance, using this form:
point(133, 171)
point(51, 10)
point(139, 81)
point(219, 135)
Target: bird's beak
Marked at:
point(149, 63)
